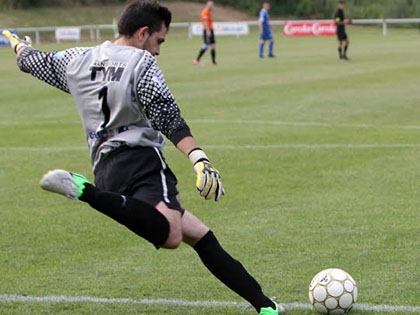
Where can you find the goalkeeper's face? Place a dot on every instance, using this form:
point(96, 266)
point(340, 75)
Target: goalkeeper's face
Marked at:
point(153, 41)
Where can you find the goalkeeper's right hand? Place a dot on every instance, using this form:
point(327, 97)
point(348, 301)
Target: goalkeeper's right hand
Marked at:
point(208, 179)
point(16, 43)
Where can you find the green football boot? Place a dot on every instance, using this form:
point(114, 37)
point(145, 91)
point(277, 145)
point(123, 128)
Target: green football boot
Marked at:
point(64, 183)
point(270, 311)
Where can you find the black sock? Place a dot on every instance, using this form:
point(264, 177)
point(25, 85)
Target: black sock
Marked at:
point(201, 53)
point(138, 216)
point(340, 52)
point(213, 55)
point(231, 272)
point(345, 51)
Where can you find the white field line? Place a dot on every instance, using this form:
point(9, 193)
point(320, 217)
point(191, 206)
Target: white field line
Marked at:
point(39, 123)
point(233, 121)
point(242, 147)
point(81, 299)
point(298, 123)
point(316, 146)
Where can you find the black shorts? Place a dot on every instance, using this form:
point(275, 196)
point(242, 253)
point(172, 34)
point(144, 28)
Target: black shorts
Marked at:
point(139, 172)
point(341, 35)
point(209, 39)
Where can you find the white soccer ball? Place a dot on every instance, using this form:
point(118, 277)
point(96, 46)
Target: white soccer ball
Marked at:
point(333, 291)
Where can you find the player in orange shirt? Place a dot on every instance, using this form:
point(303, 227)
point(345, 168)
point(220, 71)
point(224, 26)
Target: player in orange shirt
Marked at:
point(208, 33)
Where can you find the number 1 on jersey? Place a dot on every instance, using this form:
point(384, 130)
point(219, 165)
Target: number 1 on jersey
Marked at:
point(103, 95)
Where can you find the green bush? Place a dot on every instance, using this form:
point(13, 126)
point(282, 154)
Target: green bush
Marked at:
point(325, 8)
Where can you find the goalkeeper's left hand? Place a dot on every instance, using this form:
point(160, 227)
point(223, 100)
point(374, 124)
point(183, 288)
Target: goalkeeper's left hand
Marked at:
point(208, 181)
point(16, 43)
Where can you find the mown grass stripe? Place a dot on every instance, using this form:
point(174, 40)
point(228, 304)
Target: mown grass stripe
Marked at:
point(234, 121)
point(245, 146)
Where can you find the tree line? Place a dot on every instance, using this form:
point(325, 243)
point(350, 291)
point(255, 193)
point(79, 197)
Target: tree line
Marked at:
point(358, 9)
point(280, 8)
point(27, 4)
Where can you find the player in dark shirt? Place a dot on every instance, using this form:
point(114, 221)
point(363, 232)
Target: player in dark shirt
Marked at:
point(341, 22)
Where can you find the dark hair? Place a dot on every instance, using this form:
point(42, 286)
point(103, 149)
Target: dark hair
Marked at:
point(341, 2)
point(141, 13)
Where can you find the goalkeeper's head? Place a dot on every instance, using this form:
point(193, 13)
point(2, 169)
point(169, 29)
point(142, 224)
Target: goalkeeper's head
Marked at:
point(341, 4)
point(145, 23)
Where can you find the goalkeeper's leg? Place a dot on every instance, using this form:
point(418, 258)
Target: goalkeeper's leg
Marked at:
point(223, 266)
point(159, 225)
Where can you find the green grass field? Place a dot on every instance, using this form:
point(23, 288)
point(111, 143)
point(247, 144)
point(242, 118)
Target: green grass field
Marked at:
point(182, 11)
point(299, 198)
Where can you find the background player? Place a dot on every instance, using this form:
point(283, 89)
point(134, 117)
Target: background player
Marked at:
point(208, 33)
point(340, 22)
point(265, 30)
point(125, 106)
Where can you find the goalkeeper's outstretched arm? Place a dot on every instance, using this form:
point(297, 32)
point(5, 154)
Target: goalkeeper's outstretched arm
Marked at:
point(49, 67)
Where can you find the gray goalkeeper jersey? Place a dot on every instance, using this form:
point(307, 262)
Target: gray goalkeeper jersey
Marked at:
point(120, 93)
point(103, 84)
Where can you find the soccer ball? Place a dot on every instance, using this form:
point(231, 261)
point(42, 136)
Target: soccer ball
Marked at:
point(333, 291)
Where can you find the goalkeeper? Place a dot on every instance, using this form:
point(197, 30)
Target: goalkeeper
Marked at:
point(125, 107)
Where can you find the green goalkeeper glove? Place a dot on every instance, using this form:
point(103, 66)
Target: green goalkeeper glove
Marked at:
point(16, 43)
point(208, 179)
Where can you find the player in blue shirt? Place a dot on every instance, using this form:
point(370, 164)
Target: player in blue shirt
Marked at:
point(265, 30)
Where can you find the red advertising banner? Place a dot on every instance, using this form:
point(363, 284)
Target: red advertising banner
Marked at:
point(309, 29)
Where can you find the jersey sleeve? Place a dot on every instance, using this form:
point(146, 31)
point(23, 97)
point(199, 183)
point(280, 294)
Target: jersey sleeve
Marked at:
point(261, 17)
point(49, 67)
point(160, 106)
